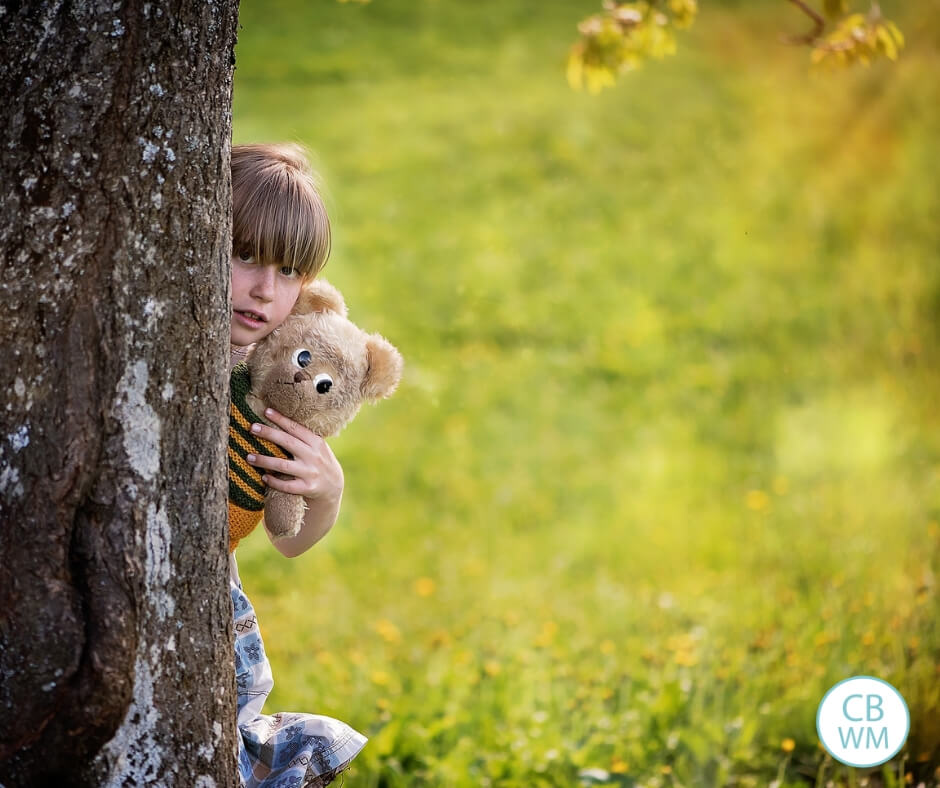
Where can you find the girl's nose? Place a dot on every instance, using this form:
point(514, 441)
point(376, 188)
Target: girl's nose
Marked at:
point(263, 285)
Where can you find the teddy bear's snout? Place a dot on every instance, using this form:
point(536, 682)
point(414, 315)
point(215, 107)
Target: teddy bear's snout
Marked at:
point(301, 377)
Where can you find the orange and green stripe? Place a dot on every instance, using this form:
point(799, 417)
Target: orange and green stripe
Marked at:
point(245, 489)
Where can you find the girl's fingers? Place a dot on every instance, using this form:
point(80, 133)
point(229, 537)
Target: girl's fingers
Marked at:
point(283, 439)
point(289, 425)
point(293, 486)
point(274, 463)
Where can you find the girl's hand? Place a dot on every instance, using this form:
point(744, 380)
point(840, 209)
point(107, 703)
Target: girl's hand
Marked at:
point(315, 472)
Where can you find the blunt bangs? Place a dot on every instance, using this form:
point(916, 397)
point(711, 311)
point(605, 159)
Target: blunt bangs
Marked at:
point(278, 214)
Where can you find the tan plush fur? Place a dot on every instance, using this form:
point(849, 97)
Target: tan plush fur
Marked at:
point(362, 367)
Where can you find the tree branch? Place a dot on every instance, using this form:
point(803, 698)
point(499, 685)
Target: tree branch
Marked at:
point(818, 25)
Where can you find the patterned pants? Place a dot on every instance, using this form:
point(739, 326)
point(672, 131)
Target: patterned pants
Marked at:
point(284, 750)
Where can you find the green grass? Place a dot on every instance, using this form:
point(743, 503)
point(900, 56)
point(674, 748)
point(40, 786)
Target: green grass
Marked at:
point(665, 464)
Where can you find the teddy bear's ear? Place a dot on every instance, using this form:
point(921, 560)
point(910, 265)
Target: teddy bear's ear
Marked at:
point(319, 296)
point(384, 371)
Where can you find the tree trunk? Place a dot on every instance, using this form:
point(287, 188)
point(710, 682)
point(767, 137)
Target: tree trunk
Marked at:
point(115, 618)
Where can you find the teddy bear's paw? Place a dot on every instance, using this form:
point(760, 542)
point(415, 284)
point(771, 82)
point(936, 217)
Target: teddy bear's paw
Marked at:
point(284, 515)
point(277, 535)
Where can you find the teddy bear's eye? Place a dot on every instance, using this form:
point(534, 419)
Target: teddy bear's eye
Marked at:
point(323, 383)
point(302, 358)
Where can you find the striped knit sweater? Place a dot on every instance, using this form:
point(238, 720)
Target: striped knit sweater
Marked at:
point(245, 488)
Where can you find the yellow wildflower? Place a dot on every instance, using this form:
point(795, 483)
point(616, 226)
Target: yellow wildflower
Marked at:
point(823, 638)
point(547, 634)
point(380, 678)
point(439, 638)
point(686, 658)
point(682, 642)
point(387, 631)
point(619, 766)
point(757, 500)
point(788, 745)
point(424, 586)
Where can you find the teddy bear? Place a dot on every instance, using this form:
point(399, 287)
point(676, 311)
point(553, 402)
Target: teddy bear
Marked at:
point(316, 368)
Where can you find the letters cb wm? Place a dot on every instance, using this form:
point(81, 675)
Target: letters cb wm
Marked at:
point(863, 721)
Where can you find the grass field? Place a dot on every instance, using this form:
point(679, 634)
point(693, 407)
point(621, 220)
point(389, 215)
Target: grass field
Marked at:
point(665, 464)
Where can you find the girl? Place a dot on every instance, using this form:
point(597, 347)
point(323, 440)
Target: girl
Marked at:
point(280, 239)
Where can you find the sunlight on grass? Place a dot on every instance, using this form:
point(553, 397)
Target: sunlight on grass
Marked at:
point(664, 465)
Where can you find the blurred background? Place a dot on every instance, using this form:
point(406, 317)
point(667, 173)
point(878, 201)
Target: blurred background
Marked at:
point(665, 462)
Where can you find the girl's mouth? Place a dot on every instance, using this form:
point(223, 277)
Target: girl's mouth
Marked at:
point(250, 319)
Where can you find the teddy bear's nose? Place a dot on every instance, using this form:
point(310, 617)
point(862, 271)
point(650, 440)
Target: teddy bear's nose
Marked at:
point(300, 377)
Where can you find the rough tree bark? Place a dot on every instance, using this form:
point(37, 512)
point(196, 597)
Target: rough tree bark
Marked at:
point(115, 619)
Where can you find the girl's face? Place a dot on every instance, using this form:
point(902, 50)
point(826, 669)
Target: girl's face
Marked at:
point(262, 296)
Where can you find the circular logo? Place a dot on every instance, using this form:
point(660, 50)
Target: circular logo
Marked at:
point(863, 721)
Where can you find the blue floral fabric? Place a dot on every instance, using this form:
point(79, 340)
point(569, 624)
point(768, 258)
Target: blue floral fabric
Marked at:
point(285, 750)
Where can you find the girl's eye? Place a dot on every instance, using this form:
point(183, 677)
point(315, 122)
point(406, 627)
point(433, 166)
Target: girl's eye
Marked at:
point(302, 358)
point(290, 273)
point(323, 383)
point(246, 257)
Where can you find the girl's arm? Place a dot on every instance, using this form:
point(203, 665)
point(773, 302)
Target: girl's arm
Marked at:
point(316, 473)
point(318, 520)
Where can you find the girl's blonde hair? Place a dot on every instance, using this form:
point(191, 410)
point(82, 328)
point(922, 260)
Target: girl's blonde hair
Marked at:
point(278, 215)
